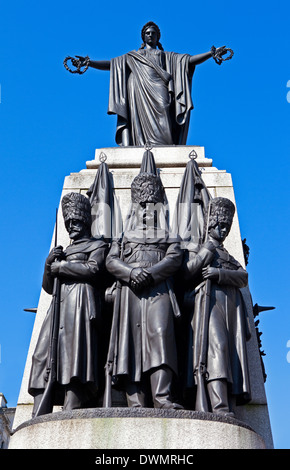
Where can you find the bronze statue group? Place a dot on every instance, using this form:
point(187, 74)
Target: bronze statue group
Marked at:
point(154, 314)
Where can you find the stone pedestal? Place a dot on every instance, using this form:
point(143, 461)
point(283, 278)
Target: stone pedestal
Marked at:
point(124, 164)
point(127, 428)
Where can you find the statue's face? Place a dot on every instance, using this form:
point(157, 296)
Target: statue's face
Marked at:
point(76, 228)
point(151, 36)
point(220, 231)
point(145, 215)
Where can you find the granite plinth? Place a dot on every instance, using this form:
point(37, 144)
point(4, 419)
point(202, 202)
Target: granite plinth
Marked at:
point(137, 428)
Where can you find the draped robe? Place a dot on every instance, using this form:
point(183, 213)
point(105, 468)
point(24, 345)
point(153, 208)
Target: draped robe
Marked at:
point(150, 92)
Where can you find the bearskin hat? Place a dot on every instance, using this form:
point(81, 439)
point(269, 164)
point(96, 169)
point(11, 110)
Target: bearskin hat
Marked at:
point(76, 206)
point(147, 188)
point(221, 210)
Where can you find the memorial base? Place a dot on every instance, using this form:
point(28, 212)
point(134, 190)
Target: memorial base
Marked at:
point(122, 428)
point(139, 428)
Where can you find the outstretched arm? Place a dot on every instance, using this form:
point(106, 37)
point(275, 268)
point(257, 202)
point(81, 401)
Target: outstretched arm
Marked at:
point(96, 64)
point(100, 64)
point(200, 58)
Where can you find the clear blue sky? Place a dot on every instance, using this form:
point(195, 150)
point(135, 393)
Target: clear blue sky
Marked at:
point(51, 122)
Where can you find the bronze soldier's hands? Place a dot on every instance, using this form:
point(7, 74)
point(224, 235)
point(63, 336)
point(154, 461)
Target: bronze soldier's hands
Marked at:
point(55, 253)
point(140, 279)
point(210, 273)
point(211, 244)
point(54, 268)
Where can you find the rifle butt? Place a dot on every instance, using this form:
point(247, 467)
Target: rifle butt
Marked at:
point(46, 403)
point(107, 399)
point(201, 401)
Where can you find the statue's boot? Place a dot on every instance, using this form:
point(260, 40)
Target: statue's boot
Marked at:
point(161, 380)
point(75, 396)
point(136, 397)
point(218, 395)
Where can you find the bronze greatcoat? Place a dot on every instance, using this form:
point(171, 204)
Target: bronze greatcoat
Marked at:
point(229, 327)
point(80, 274)
point(146, 337)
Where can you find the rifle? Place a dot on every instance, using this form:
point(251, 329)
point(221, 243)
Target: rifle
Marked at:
point(46, 403)
point(201, 402)
point(107, 399)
